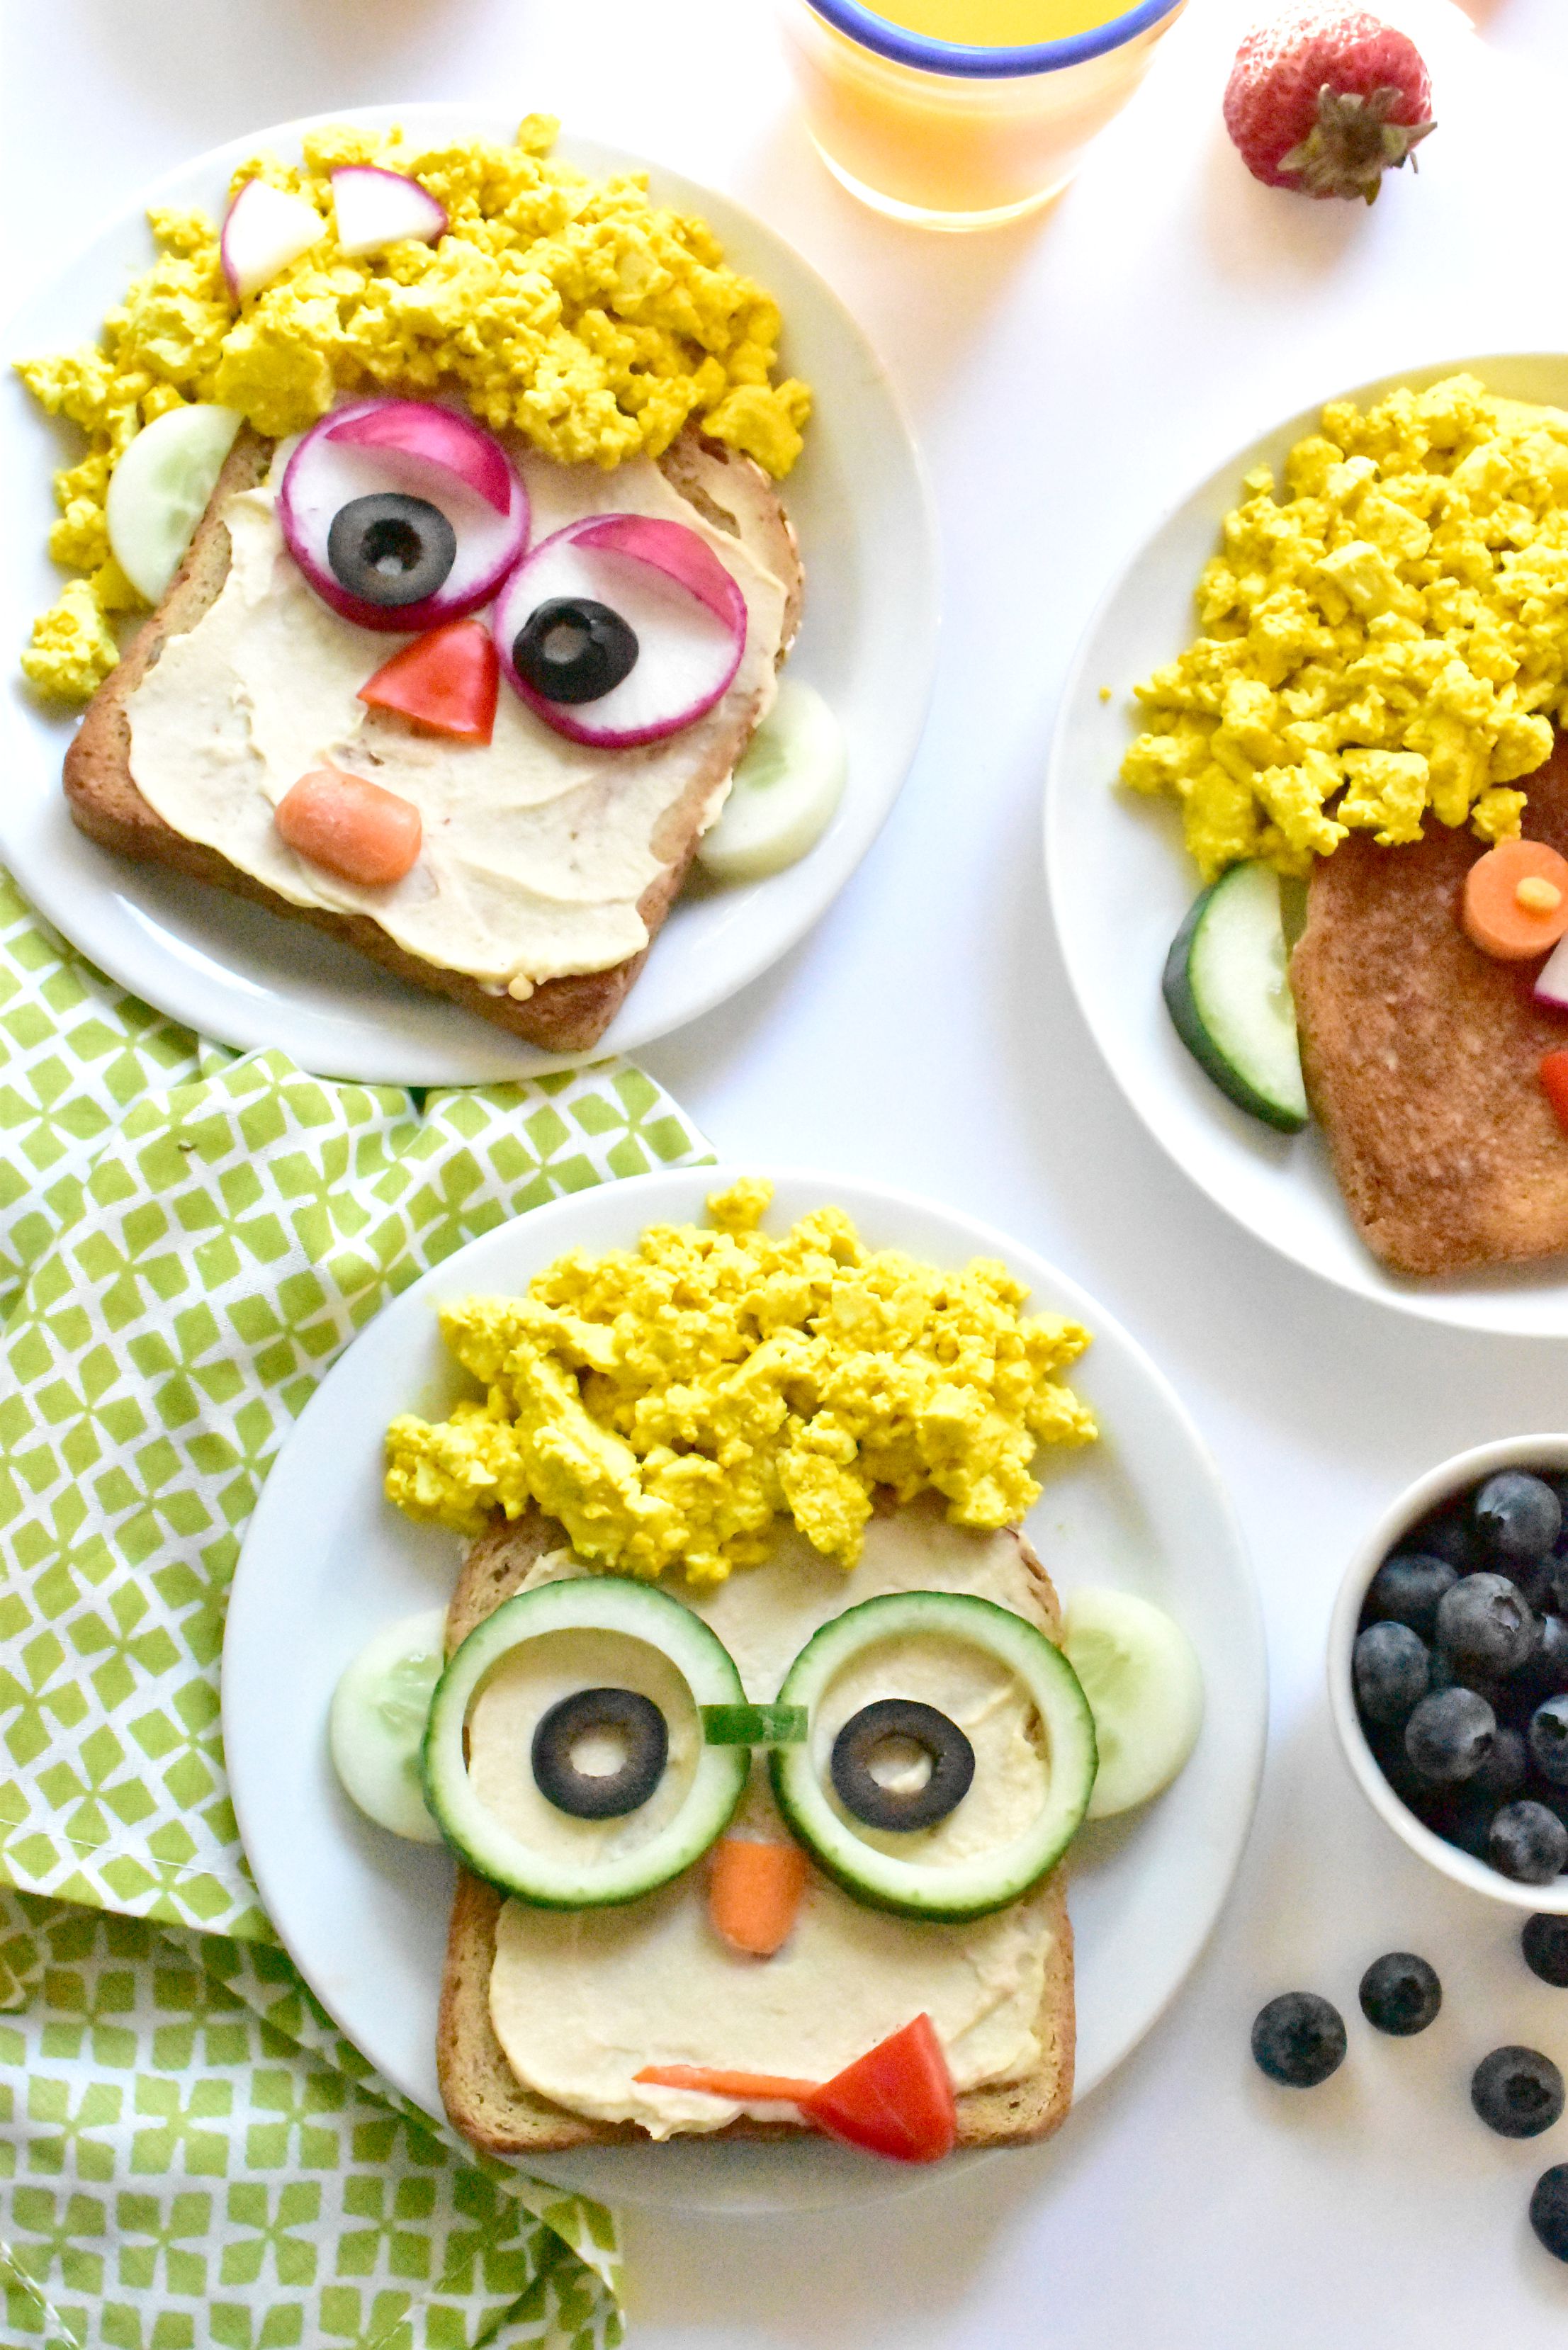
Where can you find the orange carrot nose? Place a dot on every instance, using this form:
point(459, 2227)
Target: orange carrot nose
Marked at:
point(754, 1892)
point(350, 827)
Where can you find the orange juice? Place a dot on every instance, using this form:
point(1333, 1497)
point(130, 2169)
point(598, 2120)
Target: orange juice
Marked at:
point(960, 113)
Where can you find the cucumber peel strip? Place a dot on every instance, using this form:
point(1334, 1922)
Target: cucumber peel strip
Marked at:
point(753, 1725)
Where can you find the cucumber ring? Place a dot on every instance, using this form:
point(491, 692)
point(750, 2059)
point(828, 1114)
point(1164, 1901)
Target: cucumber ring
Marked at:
point(967, 1888)
point(602, 1602)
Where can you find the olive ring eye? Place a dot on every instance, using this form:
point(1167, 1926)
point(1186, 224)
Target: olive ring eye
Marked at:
point(573, 649)
point(390, 549)
point(628, 1725)
point(871, 1735)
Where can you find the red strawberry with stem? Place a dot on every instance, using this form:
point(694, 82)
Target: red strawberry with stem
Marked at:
point(1325, 100)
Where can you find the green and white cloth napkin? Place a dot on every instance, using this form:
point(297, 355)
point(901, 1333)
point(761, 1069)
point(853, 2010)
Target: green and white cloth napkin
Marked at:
point(188, 1237)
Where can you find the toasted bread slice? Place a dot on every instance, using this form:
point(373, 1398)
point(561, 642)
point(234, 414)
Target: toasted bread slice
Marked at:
point(490, 2105)
point(1421, 1053)
point(566, 1014)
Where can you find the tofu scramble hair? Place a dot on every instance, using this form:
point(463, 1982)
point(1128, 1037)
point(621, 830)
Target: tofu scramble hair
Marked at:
point(1387, 636)
point(572, 310)
point(668, 1404)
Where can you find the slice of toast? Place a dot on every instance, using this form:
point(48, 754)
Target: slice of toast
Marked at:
point(486, 2101)
point(1421, 1053)
point(565, 1014)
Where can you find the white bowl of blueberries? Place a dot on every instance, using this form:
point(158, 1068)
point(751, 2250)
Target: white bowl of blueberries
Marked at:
point(1447, 1670)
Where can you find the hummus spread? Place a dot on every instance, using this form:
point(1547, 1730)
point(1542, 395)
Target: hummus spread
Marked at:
point(582, 2000)
point(535, 850)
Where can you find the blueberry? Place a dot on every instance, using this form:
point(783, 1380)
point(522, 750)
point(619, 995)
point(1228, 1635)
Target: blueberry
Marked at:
point(1545, 1942)
point(1549, 1740)
point(1549, 2210)
point(1517, 2091)
point(1388, 1665)
point(1406, 1588)
point(1446, 1672)
point(1449, 1534)
point(1504, 1771)
point(1449, 1736)
point(1528, 1843)
point(1464, 1820)
point(1400, 1994)
point(1517, 1516)
point(1545, 1670)
point(1483, 1621)
point(1299, 2038)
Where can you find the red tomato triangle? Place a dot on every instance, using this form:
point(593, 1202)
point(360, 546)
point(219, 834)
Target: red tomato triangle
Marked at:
point(897, 2101)
point(446, 680)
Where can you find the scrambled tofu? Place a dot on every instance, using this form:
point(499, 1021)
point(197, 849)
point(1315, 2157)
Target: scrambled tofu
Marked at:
point(667, 1404)
point(571, 309)
point(1388, 637)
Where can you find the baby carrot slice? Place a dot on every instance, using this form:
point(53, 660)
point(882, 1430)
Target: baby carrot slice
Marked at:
point(349, 826)
point(754, 1892)
point(749, 2088)
point(1516, 899)
point(1555, 1080)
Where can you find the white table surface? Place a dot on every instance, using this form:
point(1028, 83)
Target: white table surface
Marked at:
point(1065, 376)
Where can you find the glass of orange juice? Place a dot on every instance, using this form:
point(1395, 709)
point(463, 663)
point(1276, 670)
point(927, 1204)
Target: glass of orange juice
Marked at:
point(957, 114)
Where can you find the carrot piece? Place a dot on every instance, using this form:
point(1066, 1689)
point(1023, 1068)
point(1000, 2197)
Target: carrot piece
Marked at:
point(349, 826)
point(754, 1892)
point(1516, 899)
point(747, 2087)
point(1555, 1079)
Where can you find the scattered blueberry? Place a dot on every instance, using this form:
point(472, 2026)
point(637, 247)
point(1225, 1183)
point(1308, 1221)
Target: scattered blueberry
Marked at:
point(1505, 1769)
point(1517, 2091)
point(1549, 1740)
point(1400, 1994)
point(1406, 1588)
point(1549, 2210)
point(1528, 1843)
point(1545, 1942)
point(1298, 2039)
point(1389, 1665)
point(1517, 1516)
point(1449, 1736)
point(1484, 1621)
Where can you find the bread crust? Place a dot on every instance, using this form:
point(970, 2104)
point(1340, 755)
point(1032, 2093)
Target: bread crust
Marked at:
point(566, 1014)
point(491, 2108)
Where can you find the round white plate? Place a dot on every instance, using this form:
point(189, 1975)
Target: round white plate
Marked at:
point(1120, 882)
point(327, 1560)
point(857, 499)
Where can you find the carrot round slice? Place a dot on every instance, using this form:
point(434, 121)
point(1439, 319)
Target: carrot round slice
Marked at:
point(748, 2088)
point(1554, 1083)
point(1516, 899)
point(350, 827)
point(754, 1892)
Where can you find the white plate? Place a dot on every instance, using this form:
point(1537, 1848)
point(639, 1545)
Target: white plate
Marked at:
point(1120, 882)
point(858, 500)
point(327, 1560)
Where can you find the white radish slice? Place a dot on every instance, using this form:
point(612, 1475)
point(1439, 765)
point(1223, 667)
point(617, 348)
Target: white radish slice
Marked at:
point(1145, 1687)
point(1550, 980)
point(159, 491)
point(422, 451)
point(264, 229)
point(664, 581)
point(785, 790)
point(377, 1724)
point(374, 208)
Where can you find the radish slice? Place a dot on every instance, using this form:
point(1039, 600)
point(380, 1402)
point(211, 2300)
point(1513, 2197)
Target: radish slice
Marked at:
point(374, 208)
point(672, 623)
point(397, 452)
point(1550, 980)
point(263, 230)
point(159, 491)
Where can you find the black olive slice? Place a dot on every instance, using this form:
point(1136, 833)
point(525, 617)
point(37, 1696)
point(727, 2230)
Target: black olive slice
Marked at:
point(572, 648)
point(867, 1733)
point(390, 549)
point(631, 1718)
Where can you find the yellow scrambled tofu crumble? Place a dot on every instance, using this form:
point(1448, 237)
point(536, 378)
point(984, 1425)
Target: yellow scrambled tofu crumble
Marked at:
point(668, 1404)
point(1386, 635)
point(571, 309)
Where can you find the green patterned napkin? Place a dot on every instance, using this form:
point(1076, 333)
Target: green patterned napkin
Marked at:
point(188, 1239)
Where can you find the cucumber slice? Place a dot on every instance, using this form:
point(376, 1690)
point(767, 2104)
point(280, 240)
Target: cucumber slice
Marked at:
point(603, 1870)
point(1228, 992)
point(984, 1881)
point(1145, 1687)
point(377, 1725)
point(753, 1725)
point(786, 788)
point(159, 491)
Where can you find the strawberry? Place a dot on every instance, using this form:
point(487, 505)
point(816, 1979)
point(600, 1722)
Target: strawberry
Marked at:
point(1325, 100)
